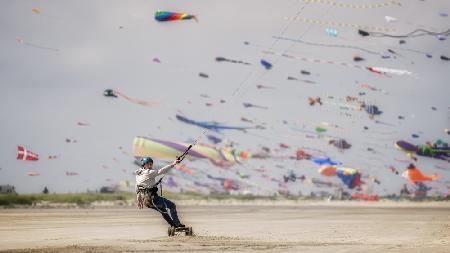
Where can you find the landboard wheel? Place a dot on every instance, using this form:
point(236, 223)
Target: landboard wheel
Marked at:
point(189, 232)
point(171, 231)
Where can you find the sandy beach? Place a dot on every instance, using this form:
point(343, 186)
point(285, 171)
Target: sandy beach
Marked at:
point(283, 227)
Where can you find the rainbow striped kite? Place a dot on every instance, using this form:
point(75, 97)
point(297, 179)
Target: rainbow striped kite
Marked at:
point(162, 16)
point(168, 150)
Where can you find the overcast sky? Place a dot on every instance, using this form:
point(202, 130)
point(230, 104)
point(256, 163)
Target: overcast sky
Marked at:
point(55, 64)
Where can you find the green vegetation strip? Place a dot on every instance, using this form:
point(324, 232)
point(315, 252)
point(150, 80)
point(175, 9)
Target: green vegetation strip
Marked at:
point(77, 198)
point(88, 198)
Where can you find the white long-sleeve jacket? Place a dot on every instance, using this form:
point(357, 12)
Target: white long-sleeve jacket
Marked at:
point(146, 178)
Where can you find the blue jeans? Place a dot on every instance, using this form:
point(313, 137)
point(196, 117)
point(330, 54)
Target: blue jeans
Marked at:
point(167, 209)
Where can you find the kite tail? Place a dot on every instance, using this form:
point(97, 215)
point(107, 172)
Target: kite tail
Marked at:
point(134, 100)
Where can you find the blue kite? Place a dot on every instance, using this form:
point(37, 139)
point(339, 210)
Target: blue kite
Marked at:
point(211, 125)
point(324, 161)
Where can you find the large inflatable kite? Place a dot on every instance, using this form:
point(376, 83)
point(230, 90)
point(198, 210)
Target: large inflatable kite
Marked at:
point(439, 149)
point(414, 175)
point(168, 150)
point(350, 177)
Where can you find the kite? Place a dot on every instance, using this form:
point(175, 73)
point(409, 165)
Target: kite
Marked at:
point(331, 32)
point(242, 174)
point(367, 86)
point(163, 16)
point(291, 78)
point(390, 19)
point(248, 105)
point(421, 190)
point(167, 150)
point(304, 72)
point(381, 70)
point(33, 174)
point(341, 144)
point(320, 130)
point(414, 175)
point(26, 155)
point(109, 93)
point(38, 11)
point(209, 125)
point(83, 124)
point(283, 146)
point(71, 173)
point(350, 177)
point(184, 169)
point(394, 170)
point(266, 64)
point(438, 150)
point(372, 110)
point(328, 171)
point(316, 100)
point(134, 100)
point(223, 59)
point(227, 184)
point(203, 75)
point(246, 120)
point(70, 140)
point(351, 99)
point(374, 179)
point(171, 183)
point(210, 187)
point(214, 139)
point(364, 197)
point(22, 42)
point(264, 87)
point(290, 177)
point(300, 155)
point(357, 59)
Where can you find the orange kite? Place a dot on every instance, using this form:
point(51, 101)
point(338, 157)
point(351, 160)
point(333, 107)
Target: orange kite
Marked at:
point(414, 175)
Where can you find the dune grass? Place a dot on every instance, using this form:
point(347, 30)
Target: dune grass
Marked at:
point(88, 198)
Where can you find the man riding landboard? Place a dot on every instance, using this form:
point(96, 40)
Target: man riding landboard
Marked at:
point(147, 191)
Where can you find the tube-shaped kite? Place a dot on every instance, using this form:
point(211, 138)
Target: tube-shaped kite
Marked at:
point(168, 150)
point(162, 16)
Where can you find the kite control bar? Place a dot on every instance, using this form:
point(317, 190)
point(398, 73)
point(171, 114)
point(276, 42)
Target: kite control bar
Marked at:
point(181, 157)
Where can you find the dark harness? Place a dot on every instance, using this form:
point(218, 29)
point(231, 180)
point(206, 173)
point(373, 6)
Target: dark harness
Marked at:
point(151, 191)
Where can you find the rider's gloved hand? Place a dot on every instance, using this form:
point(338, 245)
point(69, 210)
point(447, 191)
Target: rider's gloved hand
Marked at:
point(176, 162)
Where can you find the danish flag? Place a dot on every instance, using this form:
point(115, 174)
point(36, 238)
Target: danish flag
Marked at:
point(26, 155)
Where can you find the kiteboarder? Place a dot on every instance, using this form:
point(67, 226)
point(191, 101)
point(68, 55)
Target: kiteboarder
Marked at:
point(147, 191)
